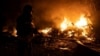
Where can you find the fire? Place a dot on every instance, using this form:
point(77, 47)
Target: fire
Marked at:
point(82, 22)
point(14, 32)
point(64, 25)
point(80, 31)
point(81, 28)
point(45, 31)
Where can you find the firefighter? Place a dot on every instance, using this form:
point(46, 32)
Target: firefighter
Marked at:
point(25, 30)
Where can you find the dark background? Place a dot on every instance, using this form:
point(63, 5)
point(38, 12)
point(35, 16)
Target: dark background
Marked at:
point(11, 9)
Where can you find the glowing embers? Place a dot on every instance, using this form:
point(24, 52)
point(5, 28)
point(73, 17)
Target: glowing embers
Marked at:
point(10, 32)
point(82, 30)
point(14, 32)
point(45, 31)
point(69, 34)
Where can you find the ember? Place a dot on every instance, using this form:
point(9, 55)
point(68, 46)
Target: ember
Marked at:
point(80, 32)
point(45, 31)
point(81, 28)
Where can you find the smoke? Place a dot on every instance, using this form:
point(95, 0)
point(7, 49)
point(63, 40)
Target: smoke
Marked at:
point(47, 13)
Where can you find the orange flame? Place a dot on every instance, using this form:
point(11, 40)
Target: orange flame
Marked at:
point(45, 31)
point(64, 24)
point(82, 22)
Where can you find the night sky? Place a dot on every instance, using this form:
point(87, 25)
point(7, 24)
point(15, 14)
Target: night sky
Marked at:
point(12, 8)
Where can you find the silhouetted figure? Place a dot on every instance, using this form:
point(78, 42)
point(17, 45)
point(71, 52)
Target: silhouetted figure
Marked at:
point(25, 30)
